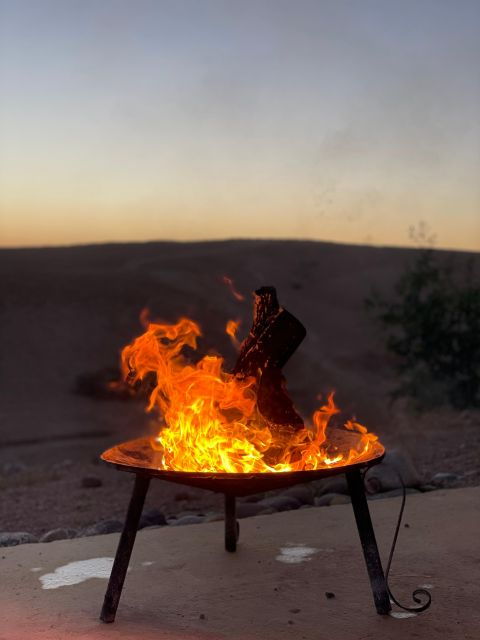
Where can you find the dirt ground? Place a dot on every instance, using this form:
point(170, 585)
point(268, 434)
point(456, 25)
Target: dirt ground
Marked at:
point(68, 311)
point(182, 585)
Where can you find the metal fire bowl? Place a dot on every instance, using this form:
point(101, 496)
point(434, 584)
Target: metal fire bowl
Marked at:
point(138, 456)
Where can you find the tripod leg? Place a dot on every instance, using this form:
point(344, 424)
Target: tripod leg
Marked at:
point(231, 524)
point(369, 544)
point(124, 550)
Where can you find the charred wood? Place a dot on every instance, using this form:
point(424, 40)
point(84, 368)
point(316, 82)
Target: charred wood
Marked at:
point(273, 338)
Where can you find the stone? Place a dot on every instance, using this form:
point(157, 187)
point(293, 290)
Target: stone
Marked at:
point(12, 538)
point(214, 517)
point(187, 520)
point(331, 485)
point(189, 512)
point(445, 479)
point(395, 467)
point(256, 497)
point(393, 493)
point(427, 487)
point(267, 512)
point(152, 517)
point(62, 533)
point(325, 499)
point(280, 503)
point(89, 482)
point(249, 509)
point(340, 498)
point(304, 493)
point(101, 528)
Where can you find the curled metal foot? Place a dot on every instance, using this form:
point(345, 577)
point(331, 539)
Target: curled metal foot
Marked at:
point(421, 596)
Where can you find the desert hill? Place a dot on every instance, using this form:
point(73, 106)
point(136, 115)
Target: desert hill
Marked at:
point(68, 311)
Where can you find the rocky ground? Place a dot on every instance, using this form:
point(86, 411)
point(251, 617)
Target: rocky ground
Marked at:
point(177, 505)
point(67, 312)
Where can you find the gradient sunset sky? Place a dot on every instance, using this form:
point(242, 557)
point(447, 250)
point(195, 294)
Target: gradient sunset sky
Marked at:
point(203, 119)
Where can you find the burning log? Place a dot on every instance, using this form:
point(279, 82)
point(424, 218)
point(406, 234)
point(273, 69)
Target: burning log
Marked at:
point(273, 338)
point(273, 400)
point(243, 422)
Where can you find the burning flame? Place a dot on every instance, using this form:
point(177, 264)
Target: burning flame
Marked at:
point(210, 421)
point(231, 330)
point(229, 282)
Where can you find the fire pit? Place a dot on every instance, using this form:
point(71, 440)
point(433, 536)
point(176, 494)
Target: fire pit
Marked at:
point(238, 433)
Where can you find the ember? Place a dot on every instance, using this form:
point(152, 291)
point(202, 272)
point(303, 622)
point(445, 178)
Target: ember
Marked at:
point(243, 421)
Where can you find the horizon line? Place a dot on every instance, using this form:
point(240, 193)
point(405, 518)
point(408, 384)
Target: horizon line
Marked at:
point(103, 243)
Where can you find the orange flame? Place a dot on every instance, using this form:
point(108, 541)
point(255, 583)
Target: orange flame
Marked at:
point(231, 329)
point(210, 421)
point(229, 282)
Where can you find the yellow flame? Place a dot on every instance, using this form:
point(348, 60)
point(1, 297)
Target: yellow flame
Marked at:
point(211, 422)
point(231, 329)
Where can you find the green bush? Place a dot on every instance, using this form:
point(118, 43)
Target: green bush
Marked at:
point(432, 324)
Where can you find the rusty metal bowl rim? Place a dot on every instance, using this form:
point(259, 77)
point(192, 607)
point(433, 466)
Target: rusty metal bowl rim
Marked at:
point(224, 480)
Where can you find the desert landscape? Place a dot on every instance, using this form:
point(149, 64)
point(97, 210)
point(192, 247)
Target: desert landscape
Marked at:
point(240, 320)
point(66, 313)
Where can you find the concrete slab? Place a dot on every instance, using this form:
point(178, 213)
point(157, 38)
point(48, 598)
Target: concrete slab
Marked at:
point(182, 585)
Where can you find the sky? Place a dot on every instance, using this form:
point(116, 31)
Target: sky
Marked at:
point(336, 120)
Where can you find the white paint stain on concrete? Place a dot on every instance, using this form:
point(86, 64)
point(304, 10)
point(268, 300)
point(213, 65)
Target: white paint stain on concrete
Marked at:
point(76, 572)
point(400, 615)
point(296, 553)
